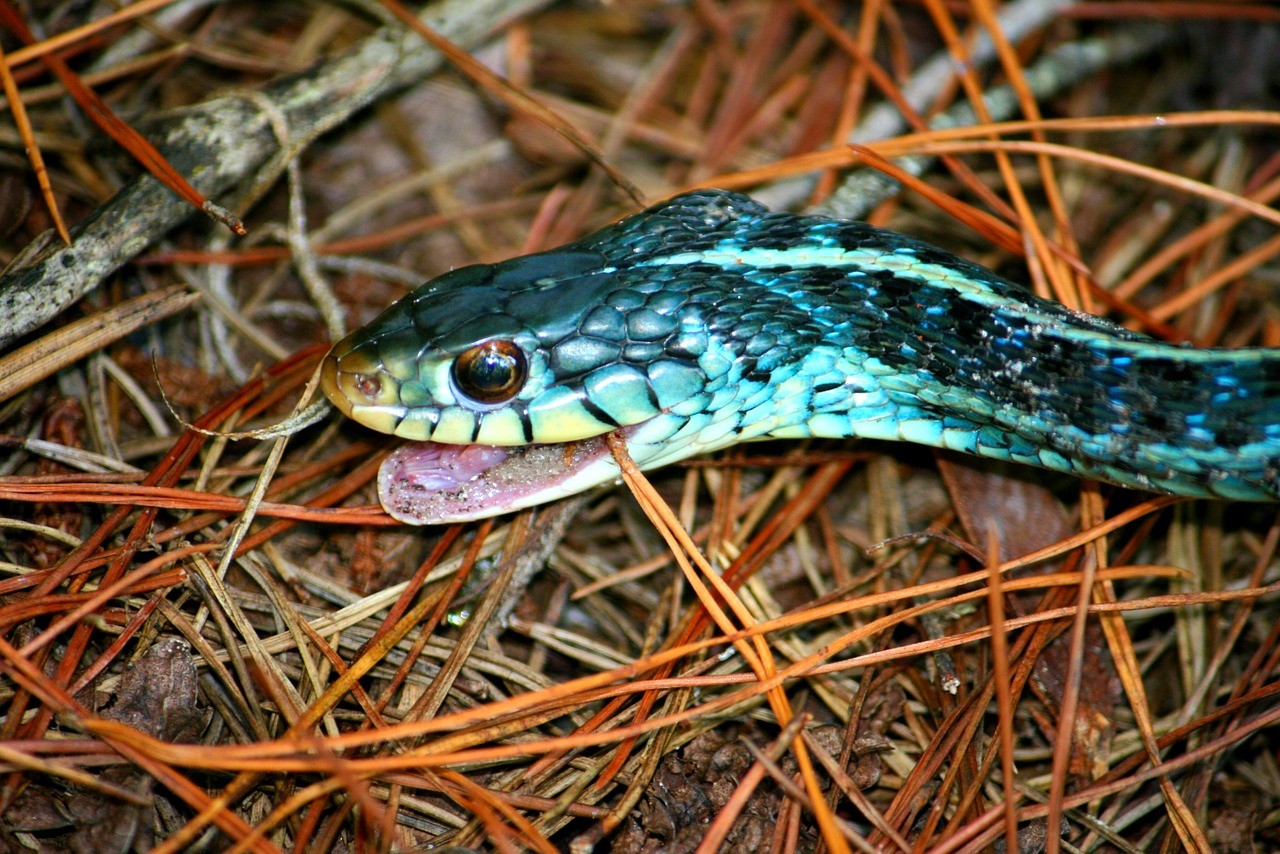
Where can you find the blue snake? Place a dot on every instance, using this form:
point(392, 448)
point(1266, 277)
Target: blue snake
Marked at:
point(709, 320)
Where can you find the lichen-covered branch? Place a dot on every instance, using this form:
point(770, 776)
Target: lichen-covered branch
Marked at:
point(224, 143)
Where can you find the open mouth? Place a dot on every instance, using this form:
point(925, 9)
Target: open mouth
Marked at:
point(429, 483)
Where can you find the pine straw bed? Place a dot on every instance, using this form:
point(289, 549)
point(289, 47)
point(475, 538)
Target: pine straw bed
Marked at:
point(209, 644)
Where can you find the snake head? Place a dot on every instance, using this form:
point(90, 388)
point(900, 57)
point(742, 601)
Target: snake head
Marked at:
point(505, 378)
point(508, 376)
point(492, 354)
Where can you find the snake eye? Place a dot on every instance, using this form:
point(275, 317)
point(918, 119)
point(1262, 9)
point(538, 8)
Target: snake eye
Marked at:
point(490, 373)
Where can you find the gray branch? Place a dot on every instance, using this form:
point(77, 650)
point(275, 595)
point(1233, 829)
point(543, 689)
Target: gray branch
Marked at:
point(222, 144)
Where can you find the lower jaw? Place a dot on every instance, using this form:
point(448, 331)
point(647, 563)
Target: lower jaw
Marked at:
point(427, 483)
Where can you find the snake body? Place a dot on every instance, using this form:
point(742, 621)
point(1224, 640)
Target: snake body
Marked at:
point(709, 320)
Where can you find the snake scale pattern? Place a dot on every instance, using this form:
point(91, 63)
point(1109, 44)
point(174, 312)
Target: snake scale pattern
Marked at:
point(709, 320)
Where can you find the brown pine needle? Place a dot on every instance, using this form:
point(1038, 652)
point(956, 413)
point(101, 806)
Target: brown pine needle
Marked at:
point(32, 147)
point(122, 132)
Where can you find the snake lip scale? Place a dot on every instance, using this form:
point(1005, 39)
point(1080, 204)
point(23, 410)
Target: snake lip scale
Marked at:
point(708, 320)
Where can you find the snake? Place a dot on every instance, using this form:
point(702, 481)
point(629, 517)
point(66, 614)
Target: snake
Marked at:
point(708, 320)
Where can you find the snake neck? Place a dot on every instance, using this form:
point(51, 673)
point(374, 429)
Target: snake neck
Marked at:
point(821, 328)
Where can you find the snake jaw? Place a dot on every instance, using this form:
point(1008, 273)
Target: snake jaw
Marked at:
point(431, 483)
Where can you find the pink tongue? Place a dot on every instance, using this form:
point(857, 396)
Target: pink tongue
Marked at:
point(428, 483)
point(433, 467)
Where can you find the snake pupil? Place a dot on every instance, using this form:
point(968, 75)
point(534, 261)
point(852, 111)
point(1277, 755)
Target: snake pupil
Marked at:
point(492, 372)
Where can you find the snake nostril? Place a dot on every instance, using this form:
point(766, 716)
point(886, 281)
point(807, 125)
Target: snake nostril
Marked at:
point(368, 386)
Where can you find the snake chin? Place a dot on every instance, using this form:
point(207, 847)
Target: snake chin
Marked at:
point(431, 483)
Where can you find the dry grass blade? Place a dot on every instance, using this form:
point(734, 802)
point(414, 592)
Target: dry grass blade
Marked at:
point(1004, 698)
point(28, 365)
